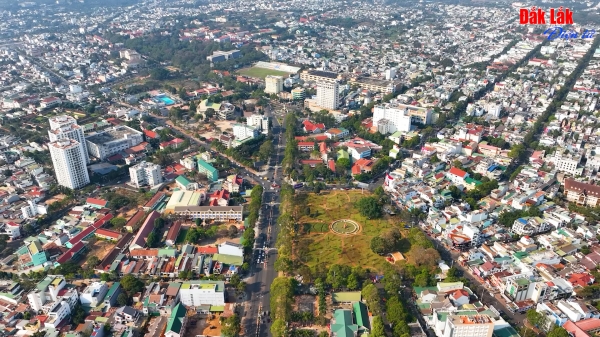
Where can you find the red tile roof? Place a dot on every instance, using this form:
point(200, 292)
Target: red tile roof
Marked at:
point(574, 329)
point(589, 324)
point(155, 199)
point(221, 194)
point(108, 233)
point(145, 229)
point(208, 250)
point(174, 231)
point(331, 164)
point(90, 230)
point(310, 126)
point(151, 134)
point(98, 202)
point(70, 254)
point(457, 172)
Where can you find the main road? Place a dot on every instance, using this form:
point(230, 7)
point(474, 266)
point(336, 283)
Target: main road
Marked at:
point(256, 321)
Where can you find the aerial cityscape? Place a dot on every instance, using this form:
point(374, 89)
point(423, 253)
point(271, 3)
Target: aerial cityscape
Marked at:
point(365, 168)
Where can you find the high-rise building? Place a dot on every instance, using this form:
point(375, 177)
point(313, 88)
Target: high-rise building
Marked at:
point(390, 74)
point(328, 95)
point(145, 173)
point(259, 121)
point(273, 84)
point(69, 163)
point(62, 127)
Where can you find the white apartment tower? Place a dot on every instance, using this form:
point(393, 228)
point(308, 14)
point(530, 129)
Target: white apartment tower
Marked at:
point(328, 95)
point(68, 160)
point(145, 173)
point(66, 127)
point(273, 84)
point(260, 122)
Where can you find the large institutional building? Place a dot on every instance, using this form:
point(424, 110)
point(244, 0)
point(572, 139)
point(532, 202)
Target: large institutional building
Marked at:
point(62, 127)
point(112, 141)
point(389, 118)
point(69, 162)
point(196, 293)
point(328, 95)
point(273, 84)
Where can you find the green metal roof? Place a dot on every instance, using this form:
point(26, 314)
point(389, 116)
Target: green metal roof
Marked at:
point(183, 180)
point(175, 323)
point(343, 326)
point(206, 166)
point(112, 289)
point(361, 314)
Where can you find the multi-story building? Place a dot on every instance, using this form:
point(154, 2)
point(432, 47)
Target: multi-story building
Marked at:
point(259, 122)
point(66, 127)
point(68, 160)
point(145, 173)
point(530, 226)
point(319, 76)
point(53, 299)
point(226, 111)
point(220, 56)
point(207, 169)
point(397, 116)
point(196, 293)
point(582, 193)
point(273, 84)
point(328, 95)
point(567, 162)
point(468, 326)
point(298, 93)
point(374, 84)
point(217, 213)
point(242, 131)
point(112, 141)
point(94, 294)
point(391, 120)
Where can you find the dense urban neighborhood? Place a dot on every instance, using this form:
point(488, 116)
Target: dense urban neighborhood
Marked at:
point(229, 168)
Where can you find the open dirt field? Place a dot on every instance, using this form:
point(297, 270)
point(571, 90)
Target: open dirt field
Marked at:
point(54, 199)
point(99, 249)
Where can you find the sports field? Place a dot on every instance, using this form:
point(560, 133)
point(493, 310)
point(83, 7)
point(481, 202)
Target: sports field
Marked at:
point(261, 72)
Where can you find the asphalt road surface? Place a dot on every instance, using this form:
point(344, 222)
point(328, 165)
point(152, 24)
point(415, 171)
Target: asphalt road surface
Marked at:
point(262, 270)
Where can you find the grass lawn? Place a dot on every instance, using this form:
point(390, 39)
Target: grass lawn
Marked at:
point(261, 72)
point(181, 237)
point(323, 246)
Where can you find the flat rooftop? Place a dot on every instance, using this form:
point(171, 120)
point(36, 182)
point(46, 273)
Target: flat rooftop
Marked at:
point(323, 73)
point(112, 134)
point(373, 81)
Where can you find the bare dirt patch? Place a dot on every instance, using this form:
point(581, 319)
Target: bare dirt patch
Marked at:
point(212, 321)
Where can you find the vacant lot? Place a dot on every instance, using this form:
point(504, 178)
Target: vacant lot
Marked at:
point(319, 245)
point(99, 249)
point(261, 72)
